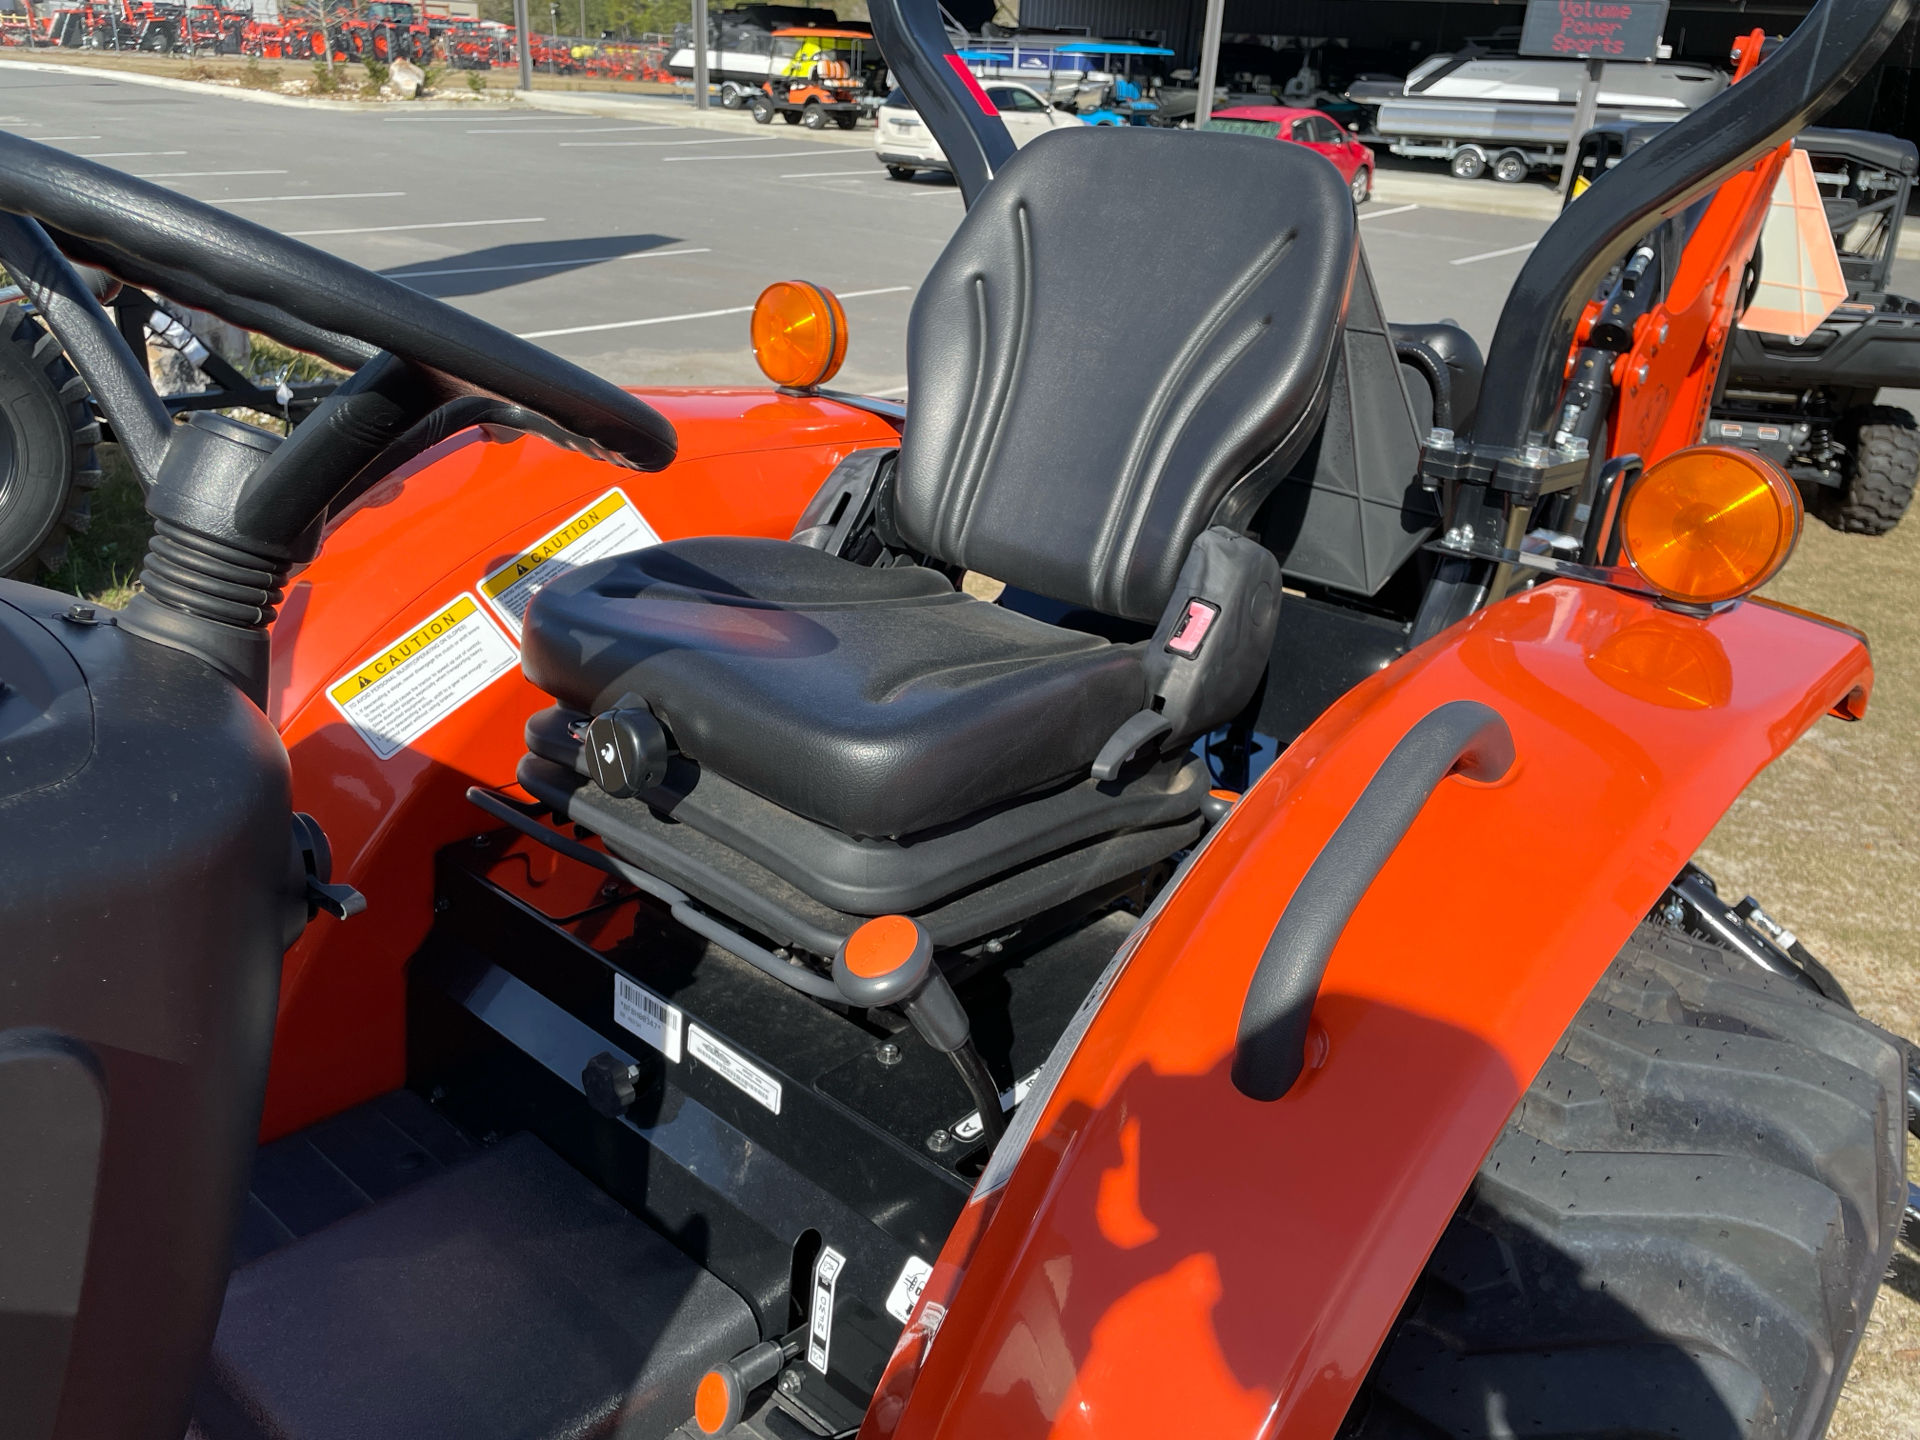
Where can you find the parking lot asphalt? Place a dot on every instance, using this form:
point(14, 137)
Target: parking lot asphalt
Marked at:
point(634, 247)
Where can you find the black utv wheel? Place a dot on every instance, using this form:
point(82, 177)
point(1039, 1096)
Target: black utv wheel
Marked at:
point(762, 111)
point(47, 464)
point(900, 172)
point(792, 117)
point(813, 117)
point(1680, 1230)
point(1883, 460)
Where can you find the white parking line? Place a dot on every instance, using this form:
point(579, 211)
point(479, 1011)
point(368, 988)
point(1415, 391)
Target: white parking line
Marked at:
point(357, 195)
point(548, 264)
point(888, 392)
point(780, 155)
point(549, 130)
point(129, 154)
point(631, 324)
point(830, 174)
point(459, 119)
point(623, 144)
point(1397, 210)
point(691, 315)
point(1494, 254)
point(49, 139)
point(428, 225)
point(200, 174)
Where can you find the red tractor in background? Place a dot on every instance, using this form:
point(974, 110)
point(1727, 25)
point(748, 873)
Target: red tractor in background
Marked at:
point(554, 910)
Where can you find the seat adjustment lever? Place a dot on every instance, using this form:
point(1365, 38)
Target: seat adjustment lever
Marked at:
point(889, 961)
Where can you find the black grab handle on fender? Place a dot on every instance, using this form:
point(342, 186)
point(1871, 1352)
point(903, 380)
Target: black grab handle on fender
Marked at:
point(1461, 737)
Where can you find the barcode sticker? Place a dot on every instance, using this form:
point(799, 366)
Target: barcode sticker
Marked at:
point(638, 1009)
point(734, 1068)
point(826, 1277)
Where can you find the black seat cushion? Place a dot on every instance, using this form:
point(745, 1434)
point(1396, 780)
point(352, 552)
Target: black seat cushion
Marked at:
point(1127, 340)
point(876, 701)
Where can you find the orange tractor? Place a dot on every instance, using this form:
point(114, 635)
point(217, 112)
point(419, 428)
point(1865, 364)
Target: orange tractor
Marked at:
point(557, 911)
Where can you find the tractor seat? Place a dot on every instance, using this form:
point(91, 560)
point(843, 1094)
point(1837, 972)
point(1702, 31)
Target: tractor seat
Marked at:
point(878, 702)
point(1090, 424)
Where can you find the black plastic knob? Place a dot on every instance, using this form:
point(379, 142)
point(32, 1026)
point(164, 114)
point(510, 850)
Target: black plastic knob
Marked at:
point(627, 752)
point(611, 1084)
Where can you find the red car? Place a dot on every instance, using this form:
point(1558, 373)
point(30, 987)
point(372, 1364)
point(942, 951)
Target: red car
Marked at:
point(1310, 128)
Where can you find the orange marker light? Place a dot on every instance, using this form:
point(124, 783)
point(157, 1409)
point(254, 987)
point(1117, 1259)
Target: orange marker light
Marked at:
point(799, 334)
point(1710, 523)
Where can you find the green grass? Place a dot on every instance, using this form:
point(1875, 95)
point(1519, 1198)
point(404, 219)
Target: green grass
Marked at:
point(103, 563)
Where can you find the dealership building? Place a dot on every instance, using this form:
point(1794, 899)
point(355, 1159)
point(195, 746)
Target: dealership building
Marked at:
point(1346, 38)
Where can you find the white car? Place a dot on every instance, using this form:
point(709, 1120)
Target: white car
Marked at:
point(904, 143)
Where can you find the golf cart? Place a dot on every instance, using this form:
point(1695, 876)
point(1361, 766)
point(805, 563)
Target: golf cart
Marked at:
point(820, 74)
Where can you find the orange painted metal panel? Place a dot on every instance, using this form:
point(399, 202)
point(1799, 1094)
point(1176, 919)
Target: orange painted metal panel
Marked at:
point(1170, 1257)
point(749, 460)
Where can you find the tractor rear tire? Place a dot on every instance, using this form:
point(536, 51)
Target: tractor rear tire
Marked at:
point(1681, 1229)
point(1883, 461)
point(48, 468)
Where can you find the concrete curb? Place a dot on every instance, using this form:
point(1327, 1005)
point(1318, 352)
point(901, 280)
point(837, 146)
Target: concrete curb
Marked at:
point(1482, 197)
point(671, 110)
point(257, 97)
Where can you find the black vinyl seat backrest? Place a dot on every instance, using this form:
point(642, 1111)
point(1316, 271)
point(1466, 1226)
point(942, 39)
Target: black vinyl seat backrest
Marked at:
point(1126, 341)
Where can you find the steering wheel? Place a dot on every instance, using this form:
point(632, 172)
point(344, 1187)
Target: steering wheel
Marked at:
point(148, 236)
point(235, 507)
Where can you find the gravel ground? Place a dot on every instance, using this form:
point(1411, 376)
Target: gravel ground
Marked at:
point(1828, 839)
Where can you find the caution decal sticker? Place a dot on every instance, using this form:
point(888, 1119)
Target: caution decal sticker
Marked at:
point(423, 677)
point(609, 526)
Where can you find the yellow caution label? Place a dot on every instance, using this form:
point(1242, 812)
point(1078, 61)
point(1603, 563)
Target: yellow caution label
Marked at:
point(398, 655)
point(418, 680)
point(609, 526)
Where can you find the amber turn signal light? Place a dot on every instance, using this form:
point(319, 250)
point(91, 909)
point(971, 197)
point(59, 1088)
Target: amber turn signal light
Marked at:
point(1710, 524)
point(799, 334)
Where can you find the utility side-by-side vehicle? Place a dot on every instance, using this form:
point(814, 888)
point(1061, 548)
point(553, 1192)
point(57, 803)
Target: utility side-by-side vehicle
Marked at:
point(554, 912)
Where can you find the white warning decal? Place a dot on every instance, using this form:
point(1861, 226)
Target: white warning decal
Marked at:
point(734, 1068)
point(423, 677)
point(638, 1009)
point(906, 1290)
point(609, 526)
point(826, 1276)
point(969, 1128)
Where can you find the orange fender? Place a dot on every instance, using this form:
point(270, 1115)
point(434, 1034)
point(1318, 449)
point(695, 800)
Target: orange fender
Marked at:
point(749, 461)
point(1171, 1257)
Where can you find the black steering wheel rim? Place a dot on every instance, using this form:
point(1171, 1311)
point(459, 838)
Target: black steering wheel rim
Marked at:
point(262, 280)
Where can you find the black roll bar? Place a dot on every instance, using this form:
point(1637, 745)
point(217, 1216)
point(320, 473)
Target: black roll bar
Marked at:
point(1832, 49)
point(914, 41)
point(1462, 737)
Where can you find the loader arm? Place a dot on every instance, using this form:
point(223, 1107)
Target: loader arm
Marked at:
point(1170, 1256)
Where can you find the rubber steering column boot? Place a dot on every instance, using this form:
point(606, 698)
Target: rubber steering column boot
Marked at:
point(889, 961)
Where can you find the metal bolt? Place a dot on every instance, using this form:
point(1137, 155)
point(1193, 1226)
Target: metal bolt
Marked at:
point(791, 1381)
point(610, 889)
point(442, 905)
point(888, 1054)
point(82, 614)
point(1673, 912)
point(439, 1094)
point(1537, 455)
point(1662, 336)
point(994, 947)
point(480, 842)
point(1640, 375)
point(940, 1142)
